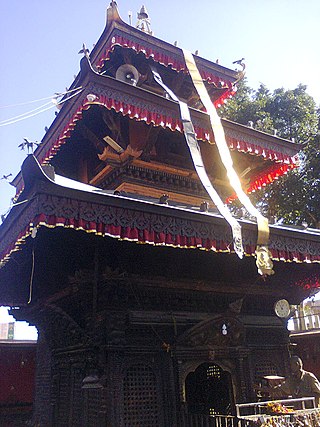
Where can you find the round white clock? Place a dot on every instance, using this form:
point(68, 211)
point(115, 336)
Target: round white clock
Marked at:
point(282, 308)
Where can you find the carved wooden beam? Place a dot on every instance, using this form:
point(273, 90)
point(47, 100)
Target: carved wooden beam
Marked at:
point(91, 136)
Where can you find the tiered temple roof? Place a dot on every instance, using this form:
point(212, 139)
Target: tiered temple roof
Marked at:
point(147, 156)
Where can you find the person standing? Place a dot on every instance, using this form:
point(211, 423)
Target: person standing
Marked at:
point(300, 383)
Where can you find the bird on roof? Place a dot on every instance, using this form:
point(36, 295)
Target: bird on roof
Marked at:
point(6, 177)
point(164, 199)
point(238, 61)
point(204, 206)
point(243, 65)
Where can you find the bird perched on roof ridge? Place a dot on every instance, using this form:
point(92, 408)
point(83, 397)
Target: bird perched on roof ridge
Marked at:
point(240, 62)
point(164, 199)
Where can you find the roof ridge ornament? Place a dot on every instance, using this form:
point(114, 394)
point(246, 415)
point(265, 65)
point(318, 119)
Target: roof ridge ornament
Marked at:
point(241, 73)
point(85, 51)
point(143, 22)
point(113, 13)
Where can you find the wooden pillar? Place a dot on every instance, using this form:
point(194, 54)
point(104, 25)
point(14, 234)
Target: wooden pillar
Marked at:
point(243, 369)
point(302, 319)
point(169, 384)
point(113, 392)
point(316, 321)
point(43, 408)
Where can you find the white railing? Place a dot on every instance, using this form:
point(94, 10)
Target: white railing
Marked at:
point(285, 413)
point(257, 408)
point(305, 318)
point(198, 420)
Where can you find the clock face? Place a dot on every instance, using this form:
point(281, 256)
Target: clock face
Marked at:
point(282, 308)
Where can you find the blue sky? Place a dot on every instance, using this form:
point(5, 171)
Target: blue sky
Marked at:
point(22, 330)
point(40, 40)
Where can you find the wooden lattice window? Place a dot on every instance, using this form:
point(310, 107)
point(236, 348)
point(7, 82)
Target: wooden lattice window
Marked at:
point(214, 371)
point(263, 368)
point(140, 397)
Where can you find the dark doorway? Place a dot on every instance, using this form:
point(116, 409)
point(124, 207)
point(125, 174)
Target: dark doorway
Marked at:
point(208, 390)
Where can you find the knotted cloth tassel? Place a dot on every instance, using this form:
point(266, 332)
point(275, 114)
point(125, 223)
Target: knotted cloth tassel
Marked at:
point(199, 166)
point(263, 255)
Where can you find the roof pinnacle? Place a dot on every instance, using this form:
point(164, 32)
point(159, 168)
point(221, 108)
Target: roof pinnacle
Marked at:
point(143, 22)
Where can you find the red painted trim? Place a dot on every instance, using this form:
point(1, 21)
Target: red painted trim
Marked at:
point(167, 61)
point(148, 236)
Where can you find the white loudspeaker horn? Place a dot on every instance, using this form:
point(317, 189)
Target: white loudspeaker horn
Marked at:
point(128, 73)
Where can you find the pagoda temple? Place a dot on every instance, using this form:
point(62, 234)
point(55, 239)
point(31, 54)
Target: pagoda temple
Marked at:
point(154, 302)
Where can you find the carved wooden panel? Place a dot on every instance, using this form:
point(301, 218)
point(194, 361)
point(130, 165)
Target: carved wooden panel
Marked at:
point(265, 367)
point(221, 331)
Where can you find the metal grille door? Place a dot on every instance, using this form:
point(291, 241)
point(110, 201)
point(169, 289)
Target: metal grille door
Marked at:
point(141, 400)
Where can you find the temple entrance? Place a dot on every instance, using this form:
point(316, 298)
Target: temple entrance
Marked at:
point(209, 390)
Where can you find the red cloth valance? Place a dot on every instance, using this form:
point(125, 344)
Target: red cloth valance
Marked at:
point(175, 63)
point(165, 121)
point(265, 178)
point(157, 56)
point(150, 236)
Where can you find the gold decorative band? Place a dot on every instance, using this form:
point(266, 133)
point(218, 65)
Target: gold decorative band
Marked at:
point(200, 169)
point(262, 252)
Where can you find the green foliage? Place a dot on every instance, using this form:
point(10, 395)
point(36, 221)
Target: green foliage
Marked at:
point(294, 113)
point(290, 114)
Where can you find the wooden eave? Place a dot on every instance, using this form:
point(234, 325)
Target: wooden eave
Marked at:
point(50, 207)
point(260, 138)
point(92, 82)
point(284, 239)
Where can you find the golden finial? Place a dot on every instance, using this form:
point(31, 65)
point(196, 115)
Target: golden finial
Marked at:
point(143, 22)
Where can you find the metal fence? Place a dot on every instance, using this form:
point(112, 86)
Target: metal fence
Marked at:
point(198, 420)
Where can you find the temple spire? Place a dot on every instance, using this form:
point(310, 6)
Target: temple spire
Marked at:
point(143, 22)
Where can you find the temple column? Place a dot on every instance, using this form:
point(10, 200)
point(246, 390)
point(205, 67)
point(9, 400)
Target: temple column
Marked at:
point(42, 404)
point(243, 367)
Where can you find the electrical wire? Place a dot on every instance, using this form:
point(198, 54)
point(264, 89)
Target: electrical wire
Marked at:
point(40, 99)
point(28, 112)
point(27, 115)
point(17, 119)
point(25, 103)
point(31, 277)
point(16, 204)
